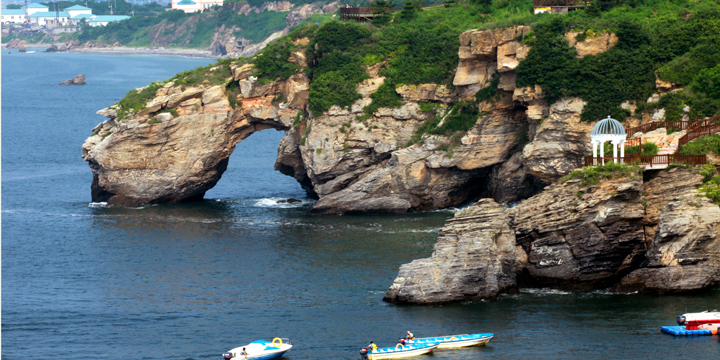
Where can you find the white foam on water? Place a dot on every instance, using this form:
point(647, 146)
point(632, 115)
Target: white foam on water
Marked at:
point(430, 230)
point(273, 203)
point(544, 292)
point(97, 204)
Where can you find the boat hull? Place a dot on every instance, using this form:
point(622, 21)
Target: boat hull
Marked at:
point(401, 354)
point(465, 343)
point(457, 341)
point(271, 355)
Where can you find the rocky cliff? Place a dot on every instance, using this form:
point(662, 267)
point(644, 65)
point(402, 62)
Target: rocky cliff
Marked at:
point(352, 162)
point(577, 237)
point(473, 259)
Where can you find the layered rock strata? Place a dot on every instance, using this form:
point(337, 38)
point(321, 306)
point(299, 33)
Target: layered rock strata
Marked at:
point(655, 237)
point(581, 237)
point(351, 162)
point(473, 259)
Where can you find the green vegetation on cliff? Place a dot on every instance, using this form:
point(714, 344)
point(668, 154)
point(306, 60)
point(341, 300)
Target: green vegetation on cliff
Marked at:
point(677, 39)
point(702, 145)
point(592, 175)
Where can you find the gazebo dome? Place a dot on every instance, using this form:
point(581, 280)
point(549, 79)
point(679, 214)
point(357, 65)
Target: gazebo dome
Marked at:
point(608, 126)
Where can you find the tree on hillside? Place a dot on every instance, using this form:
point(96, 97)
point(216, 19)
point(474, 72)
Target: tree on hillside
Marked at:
point(408, 11)
point(449, 3)
point(381, 9)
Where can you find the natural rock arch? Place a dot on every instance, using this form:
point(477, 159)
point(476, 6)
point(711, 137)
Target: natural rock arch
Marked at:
point(173, 161)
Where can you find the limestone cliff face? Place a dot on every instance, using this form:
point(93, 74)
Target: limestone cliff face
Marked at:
point(581, 237)
point(152, 157)
point(518, 144)
point(683, 236)
point(576, 237)
point(473, 259)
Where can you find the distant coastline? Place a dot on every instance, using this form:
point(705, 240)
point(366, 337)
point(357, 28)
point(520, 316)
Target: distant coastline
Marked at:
point(133, 50)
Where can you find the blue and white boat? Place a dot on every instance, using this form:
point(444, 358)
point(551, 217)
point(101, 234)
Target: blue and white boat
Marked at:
point(400, 351)
point(260, 349)
point(456, 341)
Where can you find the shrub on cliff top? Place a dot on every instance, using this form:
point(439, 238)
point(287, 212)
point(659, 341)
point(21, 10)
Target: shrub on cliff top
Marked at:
point(213, 74)
point(135, 101)
point(592, 175)
point(702, 145)
point(272, 64)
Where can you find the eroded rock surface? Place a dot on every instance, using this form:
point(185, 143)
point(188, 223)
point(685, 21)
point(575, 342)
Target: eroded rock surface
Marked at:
point(351, 161)
point(560, 143)
point(582, 237)
point(685, 253)
point(473, 259)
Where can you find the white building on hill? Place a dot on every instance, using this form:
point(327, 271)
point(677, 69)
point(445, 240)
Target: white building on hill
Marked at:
point(50, 19)
point(15, 16)
point(33, 8)
point(190, 6)
point(102, 20)
point(77, 10)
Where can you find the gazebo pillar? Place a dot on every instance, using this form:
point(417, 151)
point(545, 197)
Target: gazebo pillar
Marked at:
point(622, 151)
point(602, 152)
point(594, 145)
point(614, 143)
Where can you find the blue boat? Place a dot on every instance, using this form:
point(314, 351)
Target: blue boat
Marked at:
point(399, 351)
point(259, 350)
point(456, 341)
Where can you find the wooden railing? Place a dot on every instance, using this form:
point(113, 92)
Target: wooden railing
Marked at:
point(669, 125)
point(705, 122)
point(358, 12)
point(649, 160)
point(571, 3)
point(698, 132)
point(633, 142)
point(366, 12)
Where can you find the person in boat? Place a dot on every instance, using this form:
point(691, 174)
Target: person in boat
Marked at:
point(372, 347)
point(410, 336)
point(244, 354)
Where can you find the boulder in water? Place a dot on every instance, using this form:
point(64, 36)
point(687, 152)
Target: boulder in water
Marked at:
point(77, 80)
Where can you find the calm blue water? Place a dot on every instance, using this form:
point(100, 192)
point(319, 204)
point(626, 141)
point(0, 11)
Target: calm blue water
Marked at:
point(81, 281)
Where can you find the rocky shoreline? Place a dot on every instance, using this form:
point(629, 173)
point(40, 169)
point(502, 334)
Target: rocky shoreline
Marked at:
point(130, 50)
point(635, 232)
point(624, 234)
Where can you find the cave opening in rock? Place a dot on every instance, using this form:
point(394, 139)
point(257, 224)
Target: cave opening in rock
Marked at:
point(251, 173)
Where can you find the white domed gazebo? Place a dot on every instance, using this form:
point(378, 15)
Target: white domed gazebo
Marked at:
point(608, 130)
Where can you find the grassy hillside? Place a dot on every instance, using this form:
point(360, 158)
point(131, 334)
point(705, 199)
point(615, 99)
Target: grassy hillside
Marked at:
point(156, 27)
point(678, 40)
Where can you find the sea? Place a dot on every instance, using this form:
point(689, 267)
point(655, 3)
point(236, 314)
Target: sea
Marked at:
point(191, 281)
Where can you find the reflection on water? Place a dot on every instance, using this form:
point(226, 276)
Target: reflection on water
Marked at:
point(188, 281)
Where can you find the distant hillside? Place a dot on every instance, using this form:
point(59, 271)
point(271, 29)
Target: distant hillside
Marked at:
point(231, 28)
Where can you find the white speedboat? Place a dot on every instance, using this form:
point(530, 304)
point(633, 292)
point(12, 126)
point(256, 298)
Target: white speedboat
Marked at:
point(693, 320)
point(456, 341)
point(399, 351)
point(260, 349)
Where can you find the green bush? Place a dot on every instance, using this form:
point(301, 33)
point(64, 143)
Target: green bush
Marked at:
point(592, 175)
point(331, 88)
point(702, 145)
point(135, 101)
point(272, 64)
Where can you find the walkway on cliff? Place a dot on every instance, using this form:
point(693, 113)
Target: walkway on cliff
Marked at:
point(694, 129)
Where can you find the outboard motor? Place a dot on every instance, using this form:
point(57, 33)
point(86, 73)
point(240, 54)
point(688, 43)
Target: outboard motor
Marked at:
point(363, 353)
point(227, 356)
point(681, 319)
